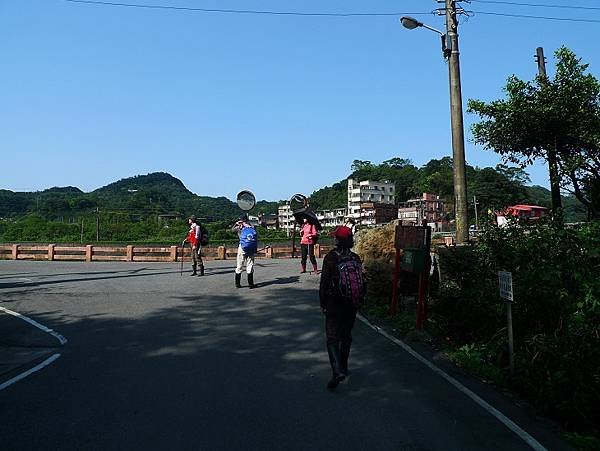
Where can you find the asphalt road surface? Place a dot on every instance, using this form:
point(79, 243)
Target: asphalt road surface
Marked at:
point(156, 360)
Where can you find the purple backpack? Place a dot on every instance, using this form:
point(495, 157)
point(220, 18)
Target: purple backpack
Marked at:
point(351, 283)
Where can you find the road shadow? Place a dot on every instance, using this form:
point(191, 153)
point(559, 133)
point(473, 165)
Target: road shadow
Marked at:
point(116, 275)
point(280, 281)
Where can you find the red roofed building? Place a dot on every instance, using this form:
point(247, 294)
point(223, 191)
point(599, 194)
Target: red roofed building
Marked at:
point(525, 212)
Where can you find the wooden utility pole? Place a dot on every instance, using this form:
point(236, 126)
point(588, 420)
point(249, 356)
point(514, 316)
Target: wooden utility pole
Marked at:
point(97, 224)
point(456, 117)
point(551, 153)
point(476, 218)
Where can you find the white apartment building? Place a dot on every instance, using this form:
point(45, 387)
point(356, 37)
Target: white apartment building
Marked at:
point(285, 217)
point(332, 218)
point(382, 192)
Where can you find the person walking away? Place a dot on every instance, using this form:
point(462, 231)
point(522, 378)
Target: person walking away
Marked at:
point(194, 237)
point(309, 236)
point(246, 250)
point(341, 292)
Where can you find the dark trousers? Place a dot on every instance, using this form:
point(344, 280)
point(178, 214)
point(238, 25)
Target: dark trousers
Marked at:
point(196, 257)
point(338, 327)
point(338, 330)
point(308, 250)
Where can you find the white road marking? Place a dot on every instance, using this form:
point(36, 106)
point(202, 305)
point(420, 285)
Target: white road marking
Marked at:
point(490, 409)
point(56, 335)
point(45, 363)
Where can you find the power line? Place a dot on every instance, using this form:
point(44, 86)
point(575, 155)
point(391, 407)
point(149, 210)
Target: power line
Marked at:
point(526, 16)
point(243, 11)
point(537, 5)
point(337, 14)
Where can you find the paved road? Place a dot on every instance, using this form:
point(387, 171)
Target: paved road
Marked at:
point(155, 360)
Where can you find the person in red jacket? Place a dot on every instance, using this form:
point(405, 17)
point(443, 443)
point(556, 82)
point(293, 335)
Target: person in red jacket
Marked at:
point(193, 237)
point(308, 234)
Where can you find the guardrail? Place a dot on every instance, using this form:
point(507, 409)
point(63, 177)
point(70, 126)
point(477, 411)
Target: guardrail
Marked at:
point(131, 253)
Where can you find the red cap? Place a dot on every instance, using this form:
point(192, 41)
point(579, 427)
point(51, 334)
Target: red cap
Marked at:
point(342, 233)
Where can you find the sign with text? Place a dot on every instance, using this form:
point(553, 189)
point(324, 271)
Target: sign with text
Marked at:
point(506, 288)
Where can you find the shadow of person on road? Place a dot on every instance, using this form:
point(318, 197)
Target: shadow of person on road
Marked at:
point(280, 281)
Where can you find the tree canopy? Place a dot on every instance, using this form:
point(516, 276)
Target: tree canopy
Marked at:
point(545, 117)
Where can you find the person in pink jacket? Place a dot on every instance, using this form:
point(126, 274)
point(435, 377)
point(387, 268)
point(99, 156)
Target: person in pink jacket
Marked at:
point(309, 235)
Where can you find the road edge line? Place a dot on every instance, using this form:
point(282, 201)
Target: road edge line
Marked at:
point(527, 438)
point(30, 371)
point(62, 340)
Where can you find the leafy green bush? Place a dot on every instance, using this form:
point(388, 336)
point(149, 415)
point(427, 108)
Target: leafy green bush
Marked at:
point(556, 313)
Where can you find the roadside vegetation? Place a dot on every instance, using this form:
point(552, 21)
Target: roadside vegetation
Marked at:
point(556, 313)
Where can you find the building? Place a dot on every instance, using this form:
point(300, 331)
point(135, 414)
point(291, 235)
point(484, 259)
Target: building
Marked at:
point(332, 218)
point(270, 221)
point(521, 211)
point(368, 191)
point(373, 213)
point(254, 220)
point(428, 208)
point(285, 217)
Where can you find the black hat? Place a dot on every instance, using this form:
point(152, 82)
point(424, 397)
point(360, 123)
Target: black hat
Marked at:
point(244, 217)
point(193, 218)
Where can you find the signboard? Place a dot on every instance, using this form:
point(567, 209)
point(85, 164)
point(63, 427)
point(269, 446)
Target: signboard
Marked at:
point(506, 289)
point(410, 237)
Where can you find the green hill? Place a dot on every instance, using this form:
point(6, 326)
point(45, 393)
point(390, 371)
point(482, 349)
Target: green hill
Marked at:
point(132, 198)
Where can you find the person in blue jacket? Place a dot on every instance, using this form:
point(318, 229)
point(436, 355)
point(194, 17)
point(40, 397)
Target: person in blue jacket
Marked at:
point(246, 250)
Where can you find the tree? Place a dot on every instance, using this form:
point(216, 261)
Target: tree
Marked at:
point(360, 165)
point(397, 162)
point(546, 118)
point(494, 190)
point(436, 177)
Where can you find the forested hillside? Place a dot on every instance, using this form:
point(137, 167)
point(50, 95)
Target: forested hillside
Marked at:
point(129, 199)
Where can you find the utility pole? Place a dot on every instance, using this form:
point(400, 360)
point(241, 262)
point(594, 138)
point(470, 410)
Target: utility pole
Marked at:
point(551, 153)
point(456, 118)
point(475, 205)
point(97, 224)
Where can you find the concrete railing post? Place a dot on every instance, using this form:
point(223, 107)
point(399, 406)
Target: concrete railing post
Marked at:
point(15, 251)
point(173, 253)
point(221, 253)
point(129, 253)
point(51, 252)
point(88, 253)
point(269, 252)
point(318, 250)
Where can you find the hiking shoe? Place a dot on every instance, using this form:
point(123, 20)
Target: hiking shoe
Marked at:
point(335, 381)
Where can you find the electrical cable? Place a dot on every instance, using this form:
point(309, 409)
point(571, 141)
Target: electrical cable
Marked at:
point(242, 11)
point(526, 16)
point(316, 14)
point(536, 5)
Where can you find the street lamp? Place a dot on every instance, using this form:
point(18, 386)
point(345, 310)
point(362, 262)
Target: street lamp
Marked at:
point(411, 24)
point(456, 114)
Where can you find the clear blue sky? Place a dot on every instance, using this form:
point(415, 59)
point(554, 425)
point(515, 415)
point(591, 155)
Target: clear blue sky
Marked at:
point(278, 104)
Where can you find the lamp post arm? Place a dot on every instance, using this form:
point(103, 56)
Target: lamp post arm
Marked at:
point(433, 29)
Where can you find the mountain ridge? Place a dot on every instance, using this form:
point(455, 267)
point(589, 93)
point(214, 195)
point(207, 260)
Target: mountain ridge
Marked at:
point(154, 193)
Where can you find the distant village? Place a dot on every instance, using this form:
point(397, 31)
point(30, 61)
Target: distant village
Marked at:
point(371, 203)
